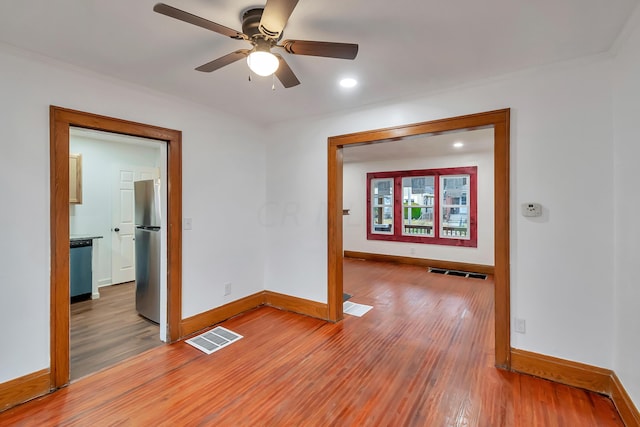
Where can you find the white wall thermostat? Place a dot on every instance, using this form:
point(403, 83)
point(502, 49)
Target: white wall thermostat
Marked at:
point(531, 209)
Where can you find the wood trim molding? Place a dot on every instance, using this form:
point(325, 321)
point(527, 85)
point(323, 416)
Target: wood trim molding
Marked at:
point(174, 232)
point(395, 133)
point(502, 239)
point(499, 120)
point(562, 371)
point(335, 287)
point(24, 388)
point(423, 262)
point(588, 377)
point(60, 293)
point(627, 410)
point(60, 121)
point(208, 318)
point(296, 305)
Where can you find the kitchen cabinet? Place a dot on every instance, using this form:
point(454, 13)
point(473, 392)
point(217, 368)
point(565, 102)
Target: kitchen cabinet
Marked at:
point(75, 178)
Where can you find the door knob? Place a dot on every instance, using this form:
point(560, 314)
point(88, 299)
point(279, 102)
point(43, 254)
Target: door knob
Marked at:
point(116, 229)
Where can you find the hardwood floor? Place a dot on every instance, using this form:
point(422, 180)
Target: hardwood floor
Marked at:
point(422, 356)
point(108, 330)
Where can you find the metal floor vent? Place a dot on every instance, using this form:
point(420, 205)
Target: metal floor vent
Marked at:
point(458, 273)
point(214, 339)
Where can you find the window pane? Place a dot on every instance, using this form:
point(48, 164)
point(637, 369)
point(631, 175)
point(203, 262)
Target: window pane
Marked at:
point(454, 203)
point(417, 206)
point(382, 206)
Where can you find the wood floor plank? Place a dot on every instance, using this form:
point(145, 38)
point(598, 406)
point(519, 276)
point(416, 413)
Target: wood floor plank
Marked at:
point(423, 356)
point(108, 330)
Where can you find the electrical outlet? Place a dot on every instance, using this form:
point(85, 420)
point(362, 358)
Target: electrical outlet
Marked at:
point(520, 326)
point(227, 289)
point(531, 209)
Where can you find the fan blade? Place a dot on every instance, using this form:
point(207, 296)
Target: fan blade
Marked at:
point(326, 49)
point(275, 16)
point(284, 73)
point(187, 17)
point(224, 60)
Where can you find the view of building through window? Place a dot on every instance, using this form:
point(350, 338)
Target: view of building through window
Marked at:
point(382, 205)
point(418, 205)
point(454, 221)
point(423, 206)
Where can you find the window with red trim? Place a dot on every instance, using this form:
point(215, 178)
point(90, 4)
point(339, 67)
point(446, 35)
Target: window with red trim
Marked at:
point(430, 206)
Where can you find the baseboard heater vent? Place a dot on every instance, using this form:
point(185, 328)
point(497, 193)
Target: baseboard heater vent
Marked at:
point(458, 273)
point(214, 340)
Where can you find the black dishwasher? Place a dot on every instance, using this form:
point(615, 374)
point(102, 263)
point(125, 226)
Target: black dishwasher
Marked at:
point(80, 277)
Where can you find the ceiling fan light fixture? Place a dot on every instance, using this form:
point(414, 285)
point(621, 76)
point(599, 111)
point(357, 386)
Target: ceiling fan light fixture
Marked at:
point(262, 63)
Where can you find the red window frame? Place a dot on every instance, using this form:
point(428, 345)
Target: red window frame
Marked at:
point(397, 235)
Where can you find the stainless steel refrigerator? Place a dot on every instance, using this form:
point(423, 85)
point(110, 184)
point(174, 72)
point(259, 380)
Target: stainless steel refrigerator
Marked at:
point(147, 247)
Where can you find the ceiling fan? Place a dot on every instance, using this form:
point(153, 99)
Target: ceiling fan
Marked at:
point(262, 27)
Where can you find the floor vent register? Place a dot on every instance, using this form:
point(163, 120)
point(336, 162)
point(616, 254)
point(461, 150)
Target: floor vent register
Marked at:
point(214, 339)
point(458, 273)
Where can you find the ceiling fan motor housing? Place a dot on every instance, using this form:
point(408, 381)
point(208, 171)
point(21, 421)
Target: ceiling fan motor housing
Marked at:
point(251, 26)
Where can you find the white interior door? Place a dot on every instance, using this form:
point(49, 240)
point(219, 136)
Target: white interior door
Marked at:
point(123, 231)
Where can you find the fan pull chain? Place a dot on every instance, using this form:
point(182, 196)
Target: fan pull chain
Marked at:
point(273, 83)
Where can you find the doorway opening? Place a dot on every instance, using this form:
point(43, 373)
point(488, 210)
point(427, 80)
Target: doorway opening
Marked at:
point(108, 308)
point(61, 120)
point(499, 121)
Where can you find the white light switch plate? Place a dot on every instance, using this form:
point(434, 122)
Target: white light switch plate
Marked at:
point(531, 209)
point(187, 224)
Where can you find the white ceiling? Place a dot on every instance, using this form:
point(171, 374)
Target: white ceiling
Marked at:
point(473, 141)
point(406, 47)
point(114, 137)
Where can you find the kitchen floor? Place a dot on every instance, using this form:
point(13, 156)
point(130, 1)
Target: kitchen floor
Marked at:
point(108, 330)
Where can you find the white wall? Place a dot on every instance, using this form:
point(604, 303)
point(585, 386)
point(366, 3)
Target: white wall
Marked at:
point(627, 205)
point(100, 158)
point(225, 245)
point(561, 157)
point(355, 199)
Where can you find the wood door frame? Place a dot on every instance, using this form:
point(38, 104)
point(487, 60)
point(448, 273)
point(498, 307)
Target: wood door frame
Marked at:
point(499, 120)
point(60, 119)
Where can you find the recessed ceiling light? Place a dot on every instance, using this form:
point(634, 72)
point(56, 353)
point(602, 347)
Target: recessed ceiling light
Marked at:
point(458, 144)
point(348, 82)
